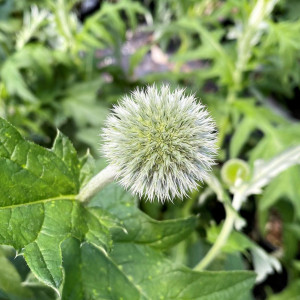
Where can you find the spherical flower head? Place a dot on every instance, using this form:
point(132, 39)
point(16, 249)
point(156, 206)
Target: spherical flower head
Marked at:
point(160, 142)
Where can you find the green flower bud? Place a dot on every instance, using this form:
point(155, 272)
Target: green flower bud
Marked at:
point(235, 170)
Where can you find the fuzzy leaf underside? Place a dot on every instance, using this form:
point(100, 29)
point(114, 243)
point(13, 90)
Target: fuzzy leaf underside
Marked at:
point(38, 210)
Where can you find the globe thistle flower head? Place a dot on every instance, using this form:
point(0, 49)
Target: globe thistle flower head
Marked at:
point(160, 142)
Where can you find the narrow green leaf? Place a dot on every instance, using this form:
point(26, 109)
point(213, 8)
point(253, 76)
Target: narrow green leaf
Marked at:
point(241, 136)
point(136, 58)
point(265, 171)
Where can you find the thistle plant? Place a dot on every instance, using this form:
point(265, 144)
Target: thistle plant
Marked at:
point(159, 143)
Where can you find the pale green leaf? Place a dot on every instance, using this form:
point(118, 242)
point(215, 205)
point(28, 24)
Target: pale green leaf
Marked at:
point(265, 171)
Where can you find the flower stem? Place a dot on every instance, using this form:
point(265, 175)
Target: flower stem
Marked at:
point(250, 37)
point(96, 184)
point(220, 242)
point(224, 234)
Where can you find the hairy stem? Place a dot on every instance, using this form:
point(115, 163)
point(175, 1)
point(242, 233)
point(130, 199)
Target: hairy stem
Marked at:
point(246, 41)
point(223, 236)
point(96, 184)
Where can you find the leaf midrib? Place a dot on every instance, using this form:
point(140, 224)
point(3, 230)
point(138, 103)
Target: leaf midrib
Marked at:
point(42, 201)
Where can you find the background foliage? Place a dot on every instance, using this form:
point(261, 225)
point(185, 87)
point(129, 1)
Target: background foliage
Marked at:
point(63, 64)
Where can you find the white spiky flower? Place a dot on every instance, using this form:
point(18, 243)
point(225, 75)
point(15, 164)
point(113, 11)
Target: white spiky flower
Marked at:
point(160, 143)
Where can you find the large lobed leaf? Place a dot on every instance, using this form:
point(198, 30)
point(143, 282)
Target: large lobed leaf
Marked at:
point(135, 271)
point(136, 268)
point(38, 209)
point(40, 216)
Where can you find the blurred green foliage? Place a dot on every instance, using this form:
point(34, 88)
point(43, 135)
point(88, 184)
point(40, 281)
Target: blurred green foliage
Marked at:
point(240, 57)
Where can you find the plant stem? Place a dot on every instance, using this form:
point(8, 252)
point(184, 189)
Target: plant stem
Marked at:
point(63, 21)
point(96, 184)
point(223, 236)
point(246, 41)
point(220, 242)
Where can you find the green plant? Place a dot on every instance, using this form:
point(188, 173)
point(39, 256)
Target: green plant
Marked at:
point(49, 74)
point(43, 220)
point(247, 53)
point(53, 214)
point(240, 58)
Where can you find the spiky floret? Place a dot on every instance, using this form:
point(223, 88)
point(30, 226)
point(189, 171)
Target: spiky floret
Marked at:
point(161, 143)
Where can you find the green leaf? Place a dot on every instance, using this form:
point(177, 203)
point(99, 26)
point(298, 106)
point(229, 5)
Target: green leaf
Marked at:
point(285, 185)
point(35, 19)
point(136, 58)
point(261, 117)
point(63, 148)
point(211, 48)
point(241, 136)
point(147, 263)
point(79, 102)
point(265, 171)
point(106, 27)
point(263, 262)
point(290, 293)
point(136, 271)
point(140, 228)
point(43, 253)
point(282, 45)
point(10, 281)
point(14, 82)
point(236, 241)
point(28, 169)
point(87, 168)
point(16, 69)
point(38, 206)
